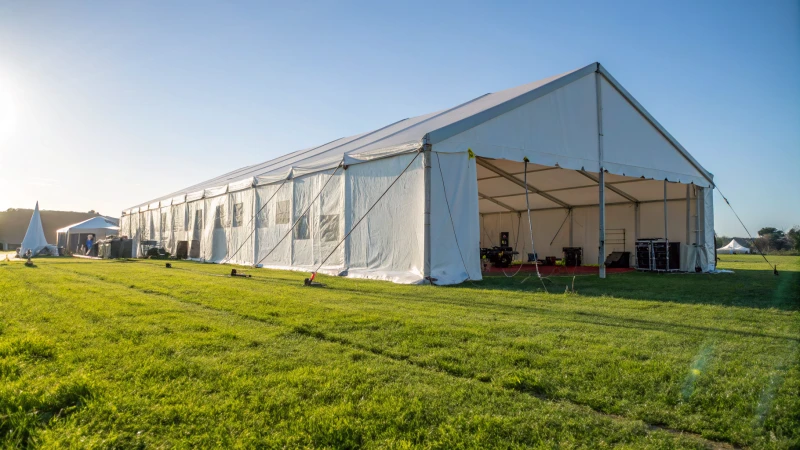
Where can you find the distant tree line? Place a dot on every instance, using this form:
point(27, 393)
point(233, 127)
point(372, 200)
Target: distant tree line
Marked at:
point(770, 240)
point(91, 211)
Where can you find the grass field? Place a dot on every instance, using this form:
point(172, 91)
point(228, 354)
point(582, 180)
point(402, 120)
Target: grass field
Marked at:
point(131, 354)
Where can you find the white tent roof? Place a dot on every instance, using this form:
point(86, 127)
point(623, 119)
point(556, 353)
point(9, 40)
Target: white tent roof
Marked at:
point(733, 246)
point(92, 225)
point(34, 239)
point(629, 129)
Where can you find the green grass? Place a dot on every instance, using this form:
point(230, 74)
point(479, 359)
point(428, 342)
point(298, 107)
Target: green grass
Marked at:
point(131, 354)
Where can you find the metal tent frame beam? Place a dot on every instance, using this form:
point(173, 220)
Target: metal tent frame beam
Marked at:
point(643, 202)
point(496, 202)
point(609, 186)
point(489, 166)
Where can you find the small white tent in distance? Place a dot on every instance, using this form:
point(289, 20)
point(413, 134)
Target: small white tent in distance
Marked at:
point(73, 236)
point(34, 240)
point(733, 248)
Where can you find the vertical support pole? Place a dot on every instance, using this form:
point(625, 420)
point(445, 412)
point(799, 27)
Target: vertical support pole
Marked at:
point(347, 220)
point(636, 232)
point(701, 206)
point(255, 224)
point(688, 217)
point(601, 257)
point(666, 227)
point(602, 182)
point(292, 219)
point(426, 159)
point(571, 220)
point(697, 216)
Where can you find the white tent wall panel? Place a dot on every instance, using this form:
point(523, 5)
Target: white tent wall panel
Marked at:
point(460, 238)
point(586, 232)
point(145, 225)
point(633, 146)
point(216, 229)
point(557, 129)
point(651, 220)
point(125, 225)
point(178, 226)
point(329, 226)
point(240, 242)
point(274, 201)
point(165, 226)
point(388, 244)
point(305, 191)
point(195, 218)
point(135, 232)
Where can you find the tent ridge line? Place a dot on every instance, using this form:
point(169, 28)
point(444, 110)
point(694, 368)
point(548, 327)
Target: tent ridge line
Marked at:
point(289, 156)
point(647, 116)
point(213, 181)
point(467, 123)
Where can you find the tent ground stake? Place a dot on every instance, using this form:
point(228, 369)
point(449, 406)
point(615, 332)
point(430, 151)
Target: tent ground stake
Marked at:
point(310, 281)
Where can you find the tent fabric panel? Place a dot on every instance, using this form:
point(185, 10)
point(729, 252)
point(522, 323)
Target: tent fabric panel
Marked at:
point(632, 146)
point(124, 226)
point(498, 186)
point(651, 221)
point(455, 227)
point(215, 191)
point(34, 239)
point(135, 232)
point(587, 196)
point(195, 221)
point(269, 179)
point(559, 129)
point(246, 183)
point(517, 202)
point(196, 195)
point(487, 206)
point(388, 243)
point(329, 226)
point(652, 190)
point(214, 245)
point(274, 220)
point(178, 226)
point(165, 225)
point(303, 213)
point(556, 179)
point(733, 247)
point(241, 225)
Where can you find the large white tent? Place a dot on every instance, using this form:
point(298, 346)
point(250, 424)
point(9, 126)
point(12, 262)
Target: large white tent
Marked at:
point(733, 247)
point(416, 199)
point(73, 236)
point(34, 240)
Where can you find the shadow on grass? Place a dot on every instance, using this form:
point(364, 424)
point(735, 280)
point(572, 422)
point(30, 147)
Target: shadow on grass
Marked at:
point(430, 295)
point(744, 288)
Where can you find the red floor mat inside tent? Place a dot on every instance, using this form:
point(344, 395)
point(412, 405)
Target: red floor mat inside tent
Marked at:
point(547, 271)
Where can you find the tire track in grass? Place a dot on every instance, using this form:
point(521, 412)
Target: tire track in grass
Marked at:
point(309, 332)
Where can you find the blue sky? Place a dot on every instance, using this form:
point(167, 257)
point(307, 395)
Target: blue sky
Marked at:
point(104, 105)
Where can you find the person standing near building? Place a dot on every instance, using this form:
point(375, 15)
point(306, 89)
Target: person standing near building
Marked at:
point(89, 242)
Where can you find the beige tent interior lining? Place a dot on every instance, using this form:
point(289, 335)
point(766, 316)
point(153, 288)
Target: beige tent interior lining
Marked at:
point(558, 188)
